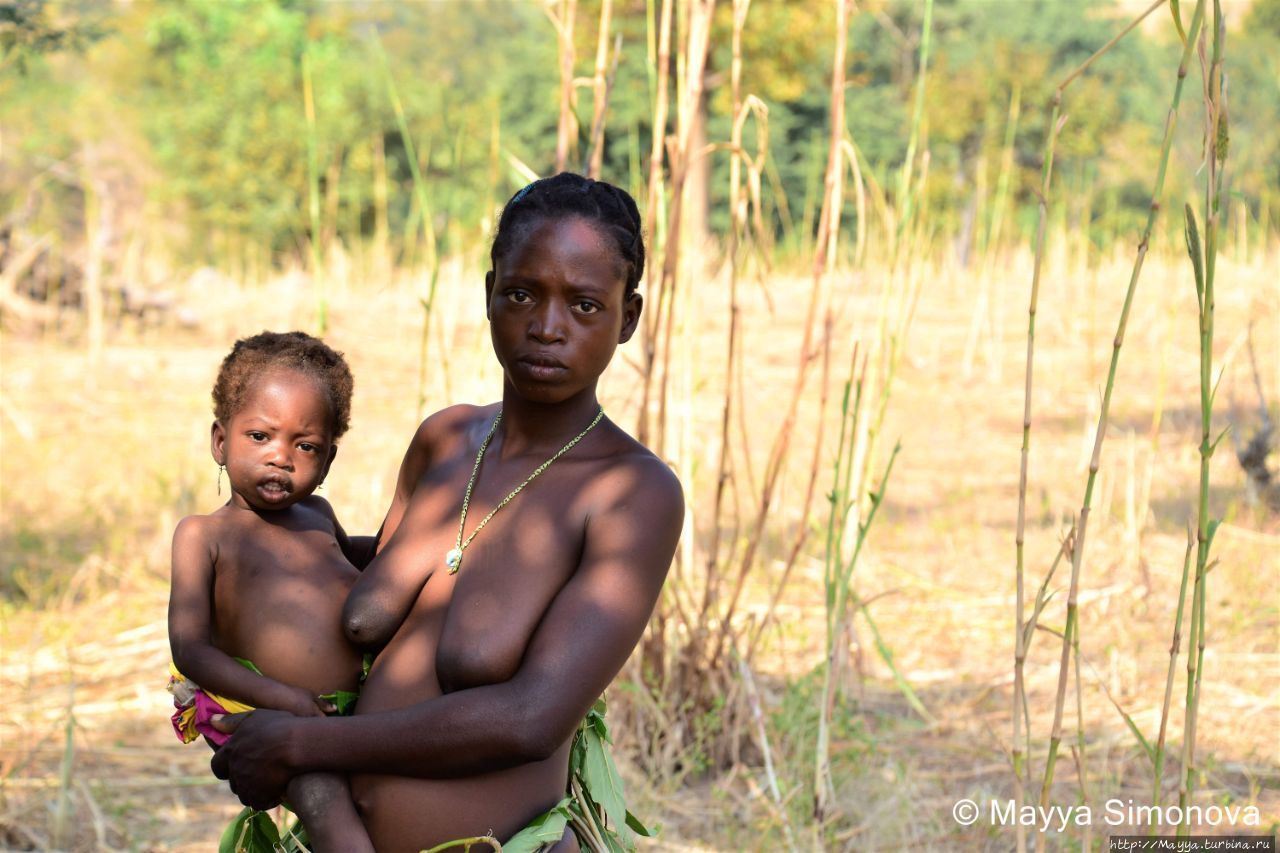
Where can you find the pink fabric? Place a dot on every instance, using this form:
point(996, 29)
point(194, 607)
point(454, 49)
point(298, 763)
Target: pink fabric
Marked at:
point(197, 716)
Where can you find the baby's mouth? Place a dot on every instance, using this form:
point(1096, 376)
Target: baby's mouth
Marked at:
point(275, 487)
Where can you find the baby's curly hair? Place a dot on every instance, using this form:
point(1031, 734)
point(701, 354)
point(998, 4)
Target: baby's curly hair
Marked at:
point(253, 356)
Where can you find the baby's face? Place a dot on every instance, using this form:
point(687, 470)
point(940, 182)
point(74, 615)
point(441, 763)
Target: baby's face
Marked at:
point(277, 447)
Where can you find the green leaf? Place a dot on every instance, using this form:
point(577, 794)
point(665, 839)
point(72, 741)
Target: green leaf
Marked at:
point(600, 779)
point(639, 828)
point(248, 664)
point(1211, 531)
point(1142, 741)
point(1177, 21)
point(263, 834)
point(343, 700)
point(227, 843)
point(252, 831)
point(1192, 235)
point(1214, 446)
point(547, 828)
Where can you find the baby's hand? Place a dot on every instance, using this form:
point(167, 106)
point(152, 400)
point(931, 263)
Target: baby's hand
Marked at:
point(303, 704)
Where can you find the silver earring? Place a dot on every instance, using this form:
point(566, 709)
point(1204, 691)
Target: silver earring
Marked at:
point(221, 468)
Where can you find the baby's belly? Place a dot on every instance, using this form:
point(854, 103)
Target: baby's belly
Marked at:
point(405, 814)
point(291, 627)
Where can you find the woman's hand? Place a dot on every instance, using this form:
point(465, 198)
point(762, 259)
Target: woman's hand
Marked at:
point(254, 761)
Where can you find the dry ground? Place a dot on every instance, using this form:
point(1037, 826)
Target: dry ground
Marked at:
point(101, 456)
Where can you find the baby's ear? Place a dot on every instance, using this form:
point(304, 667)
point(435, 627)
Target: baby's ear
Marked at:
point(218, 442)
point(333, 451)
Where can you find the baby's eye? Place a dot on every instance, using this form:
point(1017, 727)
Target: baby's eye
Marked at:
point(307, 447)
point(257, 435)
point(586, 307)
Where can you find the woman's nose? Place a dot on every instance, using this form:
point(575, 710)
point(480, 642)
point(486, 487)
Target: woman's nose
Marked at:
point(547, 325)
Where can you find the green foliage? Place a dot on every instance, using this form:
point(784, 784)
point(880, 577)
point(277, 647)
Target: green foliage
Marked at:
point(203, 103)
point(226, 118)
point(30, 28)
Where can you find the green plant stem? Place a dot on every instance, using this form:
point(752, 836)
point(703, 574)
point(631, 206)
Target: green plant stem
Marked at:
point(1095, 461)
point(313, 198)
point(1158, 762)
point(1215, 148)
point(1020, 645)
point(428, 225)
point(913, 140)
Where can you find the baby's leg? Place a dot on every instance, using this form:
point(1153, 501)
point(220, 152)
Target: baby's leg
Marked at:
point(323, 801)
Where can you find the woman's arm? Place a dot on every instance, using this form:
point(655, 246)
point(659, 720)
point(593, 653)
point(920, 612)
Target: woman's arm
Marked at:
point(358, 550)
point(190, 617)
point(380, 600)
point(582, 642)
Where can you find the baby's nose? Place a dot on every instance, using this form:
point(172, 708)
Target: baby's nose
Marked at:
point(278, 454)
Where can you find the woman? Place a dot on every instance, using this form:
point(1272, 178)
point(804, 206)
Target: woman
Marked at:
point(518, 564)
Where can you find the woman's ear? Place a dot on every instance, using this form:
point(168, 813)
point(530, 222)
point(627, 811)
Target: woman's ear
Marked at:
point(488, 293)
point(218, 442)
point(631, 308)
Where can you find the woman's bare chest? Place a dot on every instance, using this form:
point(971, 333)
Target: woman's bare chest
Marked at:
point(473, 627)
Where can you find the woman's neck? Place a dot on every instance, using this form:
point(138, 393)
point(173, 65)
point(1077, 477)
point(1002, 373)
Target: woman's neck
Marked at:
point(530, 427)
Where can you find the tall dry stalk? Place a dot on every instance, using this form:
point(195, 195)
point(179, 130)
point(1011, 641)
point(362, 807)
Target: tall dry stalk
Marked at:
point(738, 223)
point(561, 14)
point(692, 62)
point(824, 257)
point(1082, 524)
point(601, 83)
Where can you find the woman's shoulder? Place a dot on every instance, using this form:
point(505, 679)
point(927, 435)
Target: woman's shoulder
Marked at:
point(631, 472)
point(453, 422)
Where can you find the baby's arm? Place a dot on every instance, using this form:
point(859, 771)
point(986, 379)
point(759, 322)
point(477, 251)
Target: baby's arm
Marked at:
point(323, 801)
point(195, 551)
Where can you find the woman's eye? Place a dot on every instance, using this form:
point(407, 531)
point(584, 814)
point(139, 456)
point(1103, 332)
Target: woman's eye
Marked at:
point(519, 297)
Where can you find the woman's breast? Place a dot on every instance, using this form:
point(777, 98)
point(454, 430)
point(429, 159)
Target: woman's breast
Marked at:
point(467, 629)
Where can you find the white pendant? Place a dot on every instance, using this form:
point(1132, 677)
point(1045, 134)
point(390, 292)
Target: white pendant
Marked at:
point(453, 559)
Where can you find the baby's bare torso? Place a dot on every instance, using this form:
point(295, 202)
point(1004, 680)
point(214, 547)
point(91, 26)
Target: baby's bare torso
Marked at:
point(280, 581)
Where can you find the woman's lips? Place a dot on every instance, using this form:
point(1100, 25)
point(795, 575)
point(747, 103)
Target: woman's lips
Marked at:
point(542, 367)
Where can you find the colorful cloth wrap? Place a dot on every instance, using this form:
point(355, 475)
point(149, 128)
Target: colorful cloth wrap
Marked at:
point(195, 707)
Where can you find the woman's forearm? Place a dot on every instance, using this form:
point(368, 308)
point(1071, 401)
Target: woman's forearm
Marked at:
point(459, 734)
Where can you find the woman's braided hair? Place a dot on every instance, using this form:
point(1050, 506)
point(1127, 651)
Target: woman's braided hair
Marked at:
point(251, 357)
point(611, 209)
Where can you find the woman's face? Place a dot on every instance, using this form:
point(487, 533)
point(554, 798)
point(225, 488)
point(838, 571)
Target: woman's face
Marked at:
point(557, 309)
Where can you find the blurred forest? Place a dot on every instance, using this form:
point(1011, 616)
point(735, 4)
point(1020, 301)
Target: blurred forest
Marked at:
point(190, 120)
point(840, 255)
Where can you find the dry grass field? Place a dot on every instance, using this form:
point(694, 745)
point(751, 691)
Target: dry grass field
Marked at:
point(103, 453)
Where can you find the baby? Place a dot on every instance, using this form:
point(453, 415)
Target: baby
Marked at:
point(258, 585)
